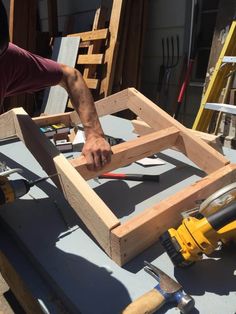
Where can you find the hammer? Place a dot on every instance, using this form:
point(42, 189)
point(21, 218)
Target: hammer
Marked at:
point(167, 291)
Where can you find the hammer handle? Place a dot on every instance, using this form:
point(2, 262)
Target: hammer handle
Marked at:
point(146, 304)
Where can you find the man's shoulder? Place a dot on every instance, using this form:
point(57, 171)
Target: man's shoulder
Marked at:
point(15, 50)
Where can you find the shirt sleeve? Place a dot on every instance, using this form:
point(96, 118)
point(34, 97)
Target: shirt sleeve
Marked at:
point(30, 72)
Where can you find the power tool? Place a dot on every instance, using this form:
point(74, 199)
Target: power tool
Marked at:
point(10, 190)
point(203, 229)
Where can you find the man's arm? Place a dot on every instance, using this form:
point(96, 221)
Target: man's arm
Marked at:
point(96, 149)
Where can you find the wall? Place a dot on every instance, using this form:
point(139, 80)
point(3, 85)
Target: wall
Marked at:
point(164, 20)
point(81, 14)
point(168, 18)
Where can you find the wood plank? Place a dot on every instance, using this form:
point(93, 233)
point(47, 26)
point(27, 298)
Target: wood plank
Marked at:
point(140, 232)
point(65, 50)
point(91, 59)
point(7, 125)
point(79, 195)
point(28, 285)
point(105, 106)
point(97, 217)
point(142, 128)
point(98, 34)
point(95, 46)
point(45, 120)
point(36, 142)
point(128, 152)
point(111, 51)
point(204, 156)
point(108, 105)
point(91, 83)
point(29, 303)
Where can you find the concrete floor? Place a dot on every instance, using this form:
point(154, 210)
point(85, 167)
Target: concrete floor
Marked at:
point(8, 302)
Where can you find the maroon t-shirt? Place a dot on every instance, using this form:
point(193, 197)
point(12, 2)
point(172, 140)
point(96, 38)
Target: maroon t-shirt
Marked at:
point(22, 71)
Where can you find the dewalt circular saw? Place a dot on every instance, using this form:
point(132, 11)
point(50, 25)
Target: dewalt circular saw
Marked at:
point(204, 229)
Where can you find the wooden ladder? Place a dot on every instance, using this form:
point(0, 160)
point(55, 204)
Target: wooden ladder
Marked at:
point(222, 77)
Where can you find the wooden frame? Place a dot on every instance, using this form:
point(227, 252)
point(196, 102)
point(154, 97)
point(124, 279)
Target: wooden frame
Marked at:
point(91, 58)
point(99, 54)
point(123, 241)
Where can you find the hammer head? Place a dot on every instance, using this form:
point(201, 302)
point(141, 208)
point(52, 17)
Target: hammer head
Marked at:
point(170, 289)
point(186, 303)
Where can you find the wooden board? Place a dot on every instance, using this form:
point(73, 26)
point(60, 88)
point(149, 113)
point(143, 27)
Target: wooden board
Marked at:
point(141, 128)
point(111, 51)
point(65, 50)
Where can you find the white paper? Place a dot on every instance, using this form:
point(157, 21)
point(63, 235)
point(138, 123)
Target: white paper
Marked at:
point(151, 161)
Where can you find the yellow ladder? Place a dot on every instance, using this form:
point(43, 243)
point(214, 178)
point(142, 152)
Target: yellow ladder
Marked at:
point(225, 65)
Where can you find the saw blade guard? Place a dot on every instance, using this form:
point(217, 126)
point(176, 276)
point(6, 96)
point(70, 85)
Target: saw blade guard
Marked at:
point(218, 200)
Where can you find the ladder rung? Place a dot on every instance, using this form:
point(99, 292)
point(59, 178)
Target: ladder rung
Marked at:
point(221, 107)
point(229, 59)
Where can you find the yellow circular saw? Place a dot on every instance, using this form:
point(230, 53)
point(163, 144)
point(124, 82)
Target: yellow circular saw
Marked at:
point(213, 223)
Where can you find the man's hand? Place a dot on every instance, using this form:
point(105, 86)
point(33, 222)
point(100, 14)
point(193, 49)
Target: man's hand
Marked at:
point(97, 152)
point(96, 149)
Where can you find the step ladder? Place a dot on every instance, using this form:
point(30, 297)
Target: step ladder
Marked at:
point(221, 78)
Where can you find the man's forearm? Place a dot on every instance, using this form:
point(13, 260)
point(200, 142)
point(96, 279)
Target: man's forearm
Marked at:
point(82, 101)
point(96, 149)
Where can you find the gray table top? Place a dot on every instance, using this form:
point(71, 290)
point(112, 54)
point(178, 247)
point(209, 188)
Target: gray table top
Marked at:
point(80, 272)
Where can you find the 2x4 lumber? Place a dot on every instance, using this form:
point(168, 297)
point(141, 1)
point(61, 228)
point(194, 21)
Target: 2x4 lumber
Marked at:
point(111, 51)
point(142, 128)
point(203, 155)
point(7, 125)
point(29, 303)
point(45, 120)
point(90, 59)
point(23, 279)
point(36, 142)
point(97, 217)
point(95, 46)
point(140, 232)
point(128, 152)
point(91, 83)
point(89, 207)
point(99, 34)
point(106, 106)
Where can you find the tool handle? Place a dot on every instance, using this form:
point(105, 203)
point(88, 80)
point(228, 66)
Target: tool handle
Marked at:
point(130, 177)
point(183, 88)
point(146, 304)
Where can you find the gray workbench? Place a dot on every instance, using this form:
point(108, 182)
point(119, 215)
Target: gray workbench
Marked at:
point(68, 259)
